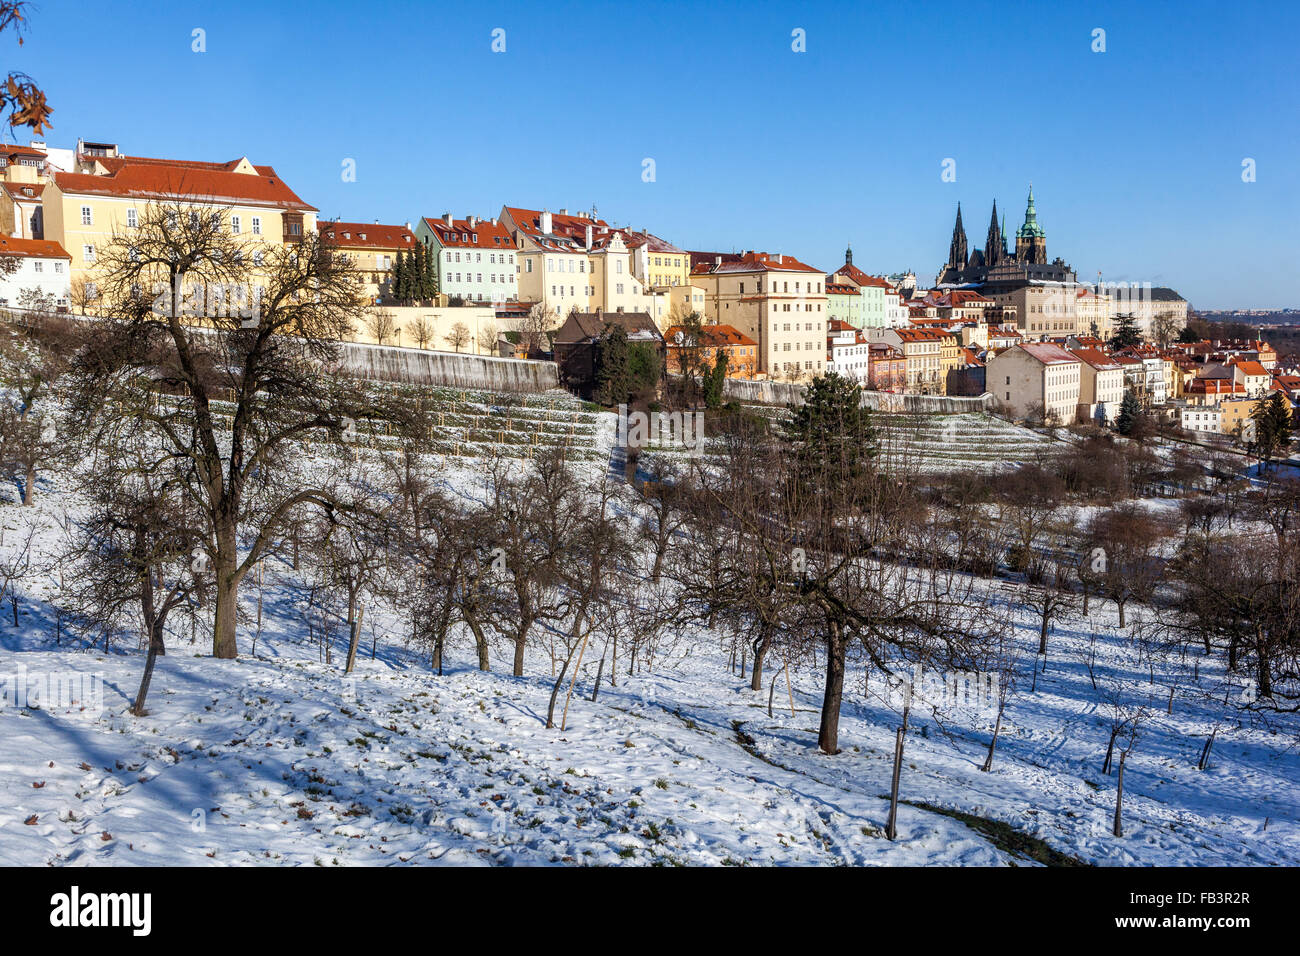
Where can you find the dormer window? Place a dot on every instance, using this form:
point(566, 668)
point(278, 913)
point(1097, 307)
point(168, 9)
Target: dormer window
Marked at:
point(362, 235)
point(347, 235)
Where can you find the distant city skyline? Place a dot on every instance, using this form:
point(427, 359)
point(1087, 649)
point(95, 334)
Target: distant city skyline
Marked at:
point(1135, 153)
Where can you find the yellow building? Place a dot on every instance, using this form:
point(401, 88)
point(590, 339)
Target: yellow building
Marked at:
point(109, 192)
point(373, 249)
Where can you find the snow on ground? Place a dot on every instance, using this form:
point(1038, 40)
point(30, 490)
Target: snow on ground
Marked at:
point(280, 759)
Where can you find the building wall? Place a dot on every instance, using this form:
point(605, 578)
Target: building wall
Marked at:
point(480, 321)
point(65, 222)
point(51, 276)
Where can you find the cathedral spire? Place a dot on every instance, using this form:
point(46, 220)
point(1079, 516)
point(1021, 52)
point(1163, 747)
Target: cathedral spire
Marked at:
point(957, 250)
point(993, 247)
point(848, 255)
point(1031, 240)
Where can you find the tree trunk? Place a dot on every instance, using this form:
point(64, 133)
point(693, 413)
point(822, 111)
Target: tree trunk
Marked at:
point(29, 485)
point(354, 638)
point(520, 642)
point(155, 648)
point(997, 729)
point(760, 654)
point(1110, 753)
point(600, 671)
point(1042, 635)
point(1119, 796)
point(480, 642)
point(828, 737)
point(555, 693)
point(1120, 605)
point(223, 625)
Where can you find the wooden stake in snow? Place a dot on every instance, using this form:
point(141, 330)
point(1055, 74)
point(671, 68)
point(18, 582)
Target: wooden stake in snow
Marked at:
point(891, 828)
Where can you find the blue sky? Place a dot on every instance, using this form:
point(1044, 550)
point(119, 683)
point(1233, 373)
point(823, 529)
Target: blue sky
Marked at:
point(1135, 154)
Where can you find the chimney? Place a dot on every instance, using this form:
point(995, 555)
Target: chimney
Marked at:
point(717, 261)
point(589, 235)
point(472, 220)
point(779, 259)
point(564, 212)
point(376, 222)
point(408, 227)
point(446, 217)
point(494, 220)
point(544, 224)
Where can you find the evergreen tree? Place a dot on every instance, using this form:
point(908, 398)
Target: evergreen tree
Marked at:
point(830, 434)
point(1272, 425)
point(713, 384)
point(1187, 335)
point(1130, 411)
point(613, 377)
point(430, 274)
point(1127, 334)
point(416, 265)
point(398, 278)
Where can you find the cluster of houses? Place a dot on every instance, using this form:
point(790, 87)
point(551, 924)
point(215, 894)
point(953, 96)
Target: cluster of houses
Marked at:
point(1206, 387)
point(1009, 324)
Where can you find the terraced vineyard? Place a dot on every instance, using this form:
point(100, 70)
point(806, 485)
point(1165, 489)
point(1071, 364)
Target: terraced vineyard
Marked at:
point(469, 423)
point(933, 443)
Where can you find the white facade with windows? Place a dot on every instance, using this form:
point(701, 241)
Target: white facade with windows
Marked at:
point(42, 266)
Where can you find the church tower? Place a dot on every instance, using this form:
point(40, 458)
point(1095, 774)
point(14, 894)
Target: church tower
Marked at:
point(848, 255)
point(994, 249)
point(1031, 241)
point(957, 250)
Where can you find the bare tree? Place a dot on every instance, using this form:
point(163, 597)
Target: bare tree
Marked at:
point(380, 325)
point(458, 336)
point(422, 331)
point(236, 388)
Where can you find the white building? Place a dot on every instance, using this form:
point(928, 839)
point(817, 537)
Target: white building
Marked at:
point(1101, 385)
point(1200, 418)
point(1036, 376)
point(42, 265)
point(848, 352)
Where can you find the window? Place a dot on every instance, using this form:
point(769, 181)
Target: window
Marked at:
point(38, 265)
point(88, 253)
point(86, 218)
point(257, 225)
point(132, 220)
point(58, 268)
point(234, 225)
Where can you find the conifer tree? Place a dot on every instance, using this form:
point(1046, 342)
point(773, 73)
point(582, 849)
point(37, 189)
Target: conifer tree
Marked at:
point(430, 274)
point(613, 378)
point(1272, 425)
point(416, 265)
point(831, 433)
point(717, 377)
point(1126, 334)
point(397, 278)
point(1129, 413)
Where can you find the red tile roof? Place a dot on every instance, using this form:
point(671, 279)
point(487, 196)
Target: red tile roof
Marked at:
point(146, 178)
point(755, 262)
point(1097, 359)
point(31, 248)
point(483, 234)
point(361, 235)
